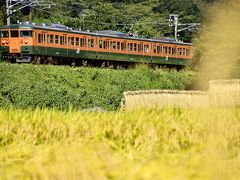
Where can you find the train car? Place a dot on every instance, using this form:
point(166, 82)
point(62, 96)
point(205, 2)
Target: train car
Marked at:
point(28, 42)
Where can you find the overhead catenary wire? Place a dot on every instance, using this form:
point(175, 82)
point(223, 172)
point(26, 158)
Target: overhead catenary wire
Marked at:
point(116, 24)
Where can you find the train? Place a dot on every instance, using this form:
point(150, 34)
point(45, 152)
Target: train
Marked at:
point(56, 43)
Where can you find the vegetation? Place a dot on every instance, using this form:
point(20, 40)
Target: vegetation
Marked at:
point(155, 144)
point(141, 17)
point(62, 86)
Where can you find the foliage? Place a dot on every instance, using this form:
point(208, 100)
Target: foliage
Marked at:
point(153, 144)
point(141, 17)
point(62, 86)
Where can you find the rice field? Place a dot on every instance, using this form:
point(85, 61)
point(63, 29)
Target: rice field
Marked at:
point(168, 143)
point(133, 100)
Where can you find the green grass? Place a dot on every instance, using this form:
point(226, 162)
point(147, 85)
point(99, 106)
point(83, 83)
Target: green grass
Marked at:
point(31, 86)
point(153, 144)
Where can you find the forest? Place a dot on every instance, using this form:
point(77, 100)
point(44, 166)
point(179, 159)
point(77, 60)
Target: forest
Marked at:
point(145, 18)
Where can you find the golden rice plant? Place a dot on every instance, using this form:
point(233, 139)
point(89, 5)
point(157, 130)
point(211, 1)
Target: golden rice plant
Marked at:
point(168, 143)
point(163, 98)
point(225, 92)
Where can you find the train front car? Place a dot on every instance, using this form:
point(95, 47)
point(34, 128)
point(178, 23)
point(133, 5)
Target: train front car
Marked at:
point(17, 43)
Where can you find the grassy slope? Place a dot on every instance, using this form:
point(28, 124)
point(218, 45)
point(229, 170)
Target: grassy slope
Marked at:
point(156, 144)
point(60, 86)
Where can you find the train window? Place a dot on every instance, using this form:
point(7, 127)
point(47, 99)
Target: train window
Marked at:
point(83, 42)
point(61, 40)
point(135, 46)
point(77, 41)
point(174, 51)
point(184, 51)
point(100, 44)
point(146, 48)
point(118, 45)
point(114, 45)
point(169, 50)
point(5, 34)
point(69, 41)
point(188, 51)
point(39, 38)
point(14, 33)
point(43, 38)
point(159, 49)
point(56, 39)
point(26, 33)
point(48, 39)
point(64, 40)
point(165, 50)
point(108, 44)
point(123, 46)
point(72, 41)
point(105, 44)
point(111, 44)
point(141, 47)
point(130, 46)
point(155, 49)
point(51, 38)
point(180, 51)
point(90, 43)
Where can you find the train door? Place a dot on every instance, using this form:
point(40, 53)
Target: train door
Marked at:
point(96, 49)
point(14, 42)
point(65, 43)
point(44, 41)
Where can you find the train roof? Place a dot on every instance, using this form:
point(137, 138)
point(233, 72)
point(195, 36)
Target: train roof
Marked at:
point(106, 33)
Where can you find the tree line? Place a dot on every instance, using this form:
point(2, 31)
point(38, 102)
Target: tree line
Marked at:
point(148, 18)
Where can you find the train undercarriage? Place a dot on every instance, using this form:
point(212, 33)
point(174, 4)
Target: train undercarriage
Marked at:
point(84, 62)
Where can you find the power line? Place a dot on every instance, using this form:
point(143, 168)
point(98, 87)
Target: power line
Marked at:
point(117, 24)
point(21, 4)
point(84, 10)
point(173, 18)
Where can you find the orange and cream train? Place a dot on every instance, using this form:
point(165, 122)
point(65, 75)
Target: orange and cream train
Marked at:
point(26, 42)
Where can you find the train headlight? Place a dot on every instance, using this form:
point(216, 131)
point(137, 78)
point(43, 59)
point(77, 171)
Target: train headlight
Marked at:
point(3, 42)
point(26, 42)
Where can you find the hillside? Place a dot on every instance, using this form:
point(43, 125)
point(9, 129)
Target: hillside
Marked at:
point(140, 17)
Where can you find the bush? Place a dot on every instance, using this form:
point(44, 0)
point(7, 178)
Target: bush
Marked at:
point(33, 86)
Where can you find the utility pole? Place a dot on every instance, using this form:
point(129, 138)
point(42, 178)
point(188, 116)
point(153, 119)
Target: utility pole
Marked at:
point(174, 21)
point(8, 12)
point(173, 18)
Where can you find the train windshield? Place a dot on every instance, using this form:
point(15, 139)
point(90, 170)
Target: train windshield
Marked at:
point(26, 33)
point(14, 33)
point(4, 34)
